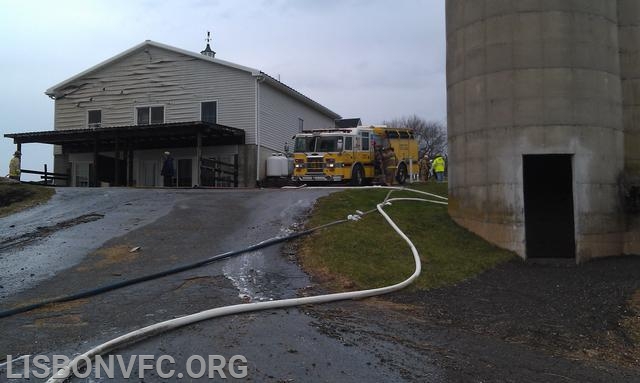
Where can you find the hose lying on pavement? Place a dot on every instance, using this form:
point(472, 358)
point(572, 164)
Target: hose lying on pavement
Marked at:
point(145, 332)
point(160, 274)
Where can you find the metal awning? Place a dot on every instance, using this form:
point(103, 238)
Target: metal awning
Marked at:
point(135, 137)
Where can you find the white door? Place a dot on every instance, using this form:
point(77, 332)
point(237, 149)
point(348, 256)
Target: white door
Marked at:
point(81, 174)
point(150, 172)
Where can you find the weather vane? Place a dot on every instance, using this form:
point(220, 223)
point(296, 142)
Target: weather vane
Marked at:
point(208, 39)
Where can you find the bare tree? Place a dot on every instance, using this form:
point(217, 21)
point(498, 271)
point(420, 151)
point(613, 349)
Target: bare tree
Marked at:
point(431, 135)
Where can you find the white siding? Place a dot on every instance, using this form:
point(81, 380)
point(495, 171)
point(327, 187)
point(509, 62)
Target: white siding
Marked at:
point(279, 114)
point(155, 76)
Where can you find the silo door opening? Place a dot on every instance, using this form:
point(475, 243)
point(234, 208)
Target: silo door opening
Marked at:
point(548, 206)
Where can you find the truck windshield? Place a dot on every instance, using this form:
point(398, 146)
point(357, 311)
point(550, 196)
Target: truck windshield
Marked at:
point(328, 144)
point(318, 144)
point(304, 144)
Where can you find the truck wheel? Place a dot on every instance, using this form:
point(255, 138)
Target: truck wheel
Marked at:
point(401, 176)
point(357, 176)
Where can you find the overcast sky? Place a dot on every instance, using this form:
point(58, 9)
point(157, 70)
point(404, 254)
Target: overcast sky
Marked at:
point(373, 59)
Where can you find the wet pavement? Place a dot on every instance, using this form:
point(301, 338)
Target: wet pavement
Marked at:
point(402, 338)
point(171, 228)
point(59, 237)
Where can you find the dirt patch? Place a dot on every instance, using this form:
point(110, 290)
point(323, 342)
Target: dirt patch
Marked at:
point(59, 315)
point(58, 307)
point(381, 303)
point(632, 323)
point(631, 326)
point(199, 280)
point(115, 255)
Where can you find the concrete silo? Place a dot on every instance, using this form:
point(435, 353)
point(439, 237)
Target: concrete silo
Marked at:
point(535, 111)
point(629, 41)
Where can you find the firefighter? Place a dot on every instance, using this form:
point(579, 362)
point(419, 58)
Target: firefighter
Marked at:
point(438, 167)
point(14, 166)
point(389, 163)
point(424, 168)
point(378, 162)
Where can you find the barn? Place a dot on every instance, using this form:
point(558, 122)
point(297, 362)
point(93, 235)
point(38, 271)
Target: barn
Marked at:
point(219, 121)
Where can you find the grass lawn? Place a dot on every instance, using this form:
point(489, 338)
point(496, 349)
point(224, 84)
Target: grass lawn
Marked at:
point(370, 254)
point(16, 197)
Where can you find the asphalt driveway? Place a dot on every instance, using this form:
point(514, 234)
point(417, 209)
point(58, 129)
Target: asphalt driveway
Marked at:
point(83, 238)
point(171, 227)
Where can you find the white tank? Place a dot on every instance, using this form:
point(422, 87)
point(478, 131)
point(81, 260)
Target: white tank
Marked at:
point(277, 165)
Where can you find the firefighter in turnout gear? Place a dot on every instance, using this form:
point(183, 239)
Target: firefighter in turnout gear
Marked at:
point(390, 164)
point(424, 168)
point(14, 166)
point(378, 164)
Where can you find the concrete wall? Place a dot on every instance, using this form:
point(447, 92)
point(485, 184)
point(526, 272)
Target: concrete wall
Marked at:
point(629, 39)
point(534, 77)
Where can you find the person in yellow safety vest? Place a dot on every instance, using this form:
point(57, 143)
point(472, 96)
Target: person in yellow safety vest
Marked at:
point(14, 166)
point(438, 167)
point(424, 168)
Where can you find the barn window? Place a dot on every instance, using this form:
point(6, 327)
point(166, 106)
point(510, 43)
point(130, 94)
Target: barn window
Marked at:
point(209, 112)
point(150, 115)
point(94, 118)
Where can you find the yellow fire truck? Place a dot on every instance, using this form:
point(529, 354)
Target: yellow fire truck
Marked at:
point(340, 155)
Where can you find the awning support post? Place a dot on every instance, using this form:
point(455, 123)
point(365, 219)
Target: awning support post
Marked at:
point(130, 165)
point(198, 157)
point(116, 176)
point(94, 178)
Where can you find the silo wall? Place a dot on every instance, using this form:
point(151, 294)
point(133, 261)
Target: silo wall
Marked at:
point(629, 41)
point(534, 77)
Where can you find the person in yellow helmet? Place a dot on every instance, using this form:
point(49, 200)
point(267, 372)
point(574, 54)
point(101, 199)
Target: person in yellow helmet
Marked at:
point(438, 167)
point(14, 166)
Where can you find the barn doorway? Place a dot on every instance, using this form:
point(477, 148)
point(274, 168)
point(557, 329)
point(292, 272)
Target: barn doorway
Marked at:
point(185, 167)
point(548, 206)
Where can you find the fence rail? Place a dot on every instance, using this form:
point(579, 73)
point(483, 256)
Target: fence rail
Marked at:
point(47, 176)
